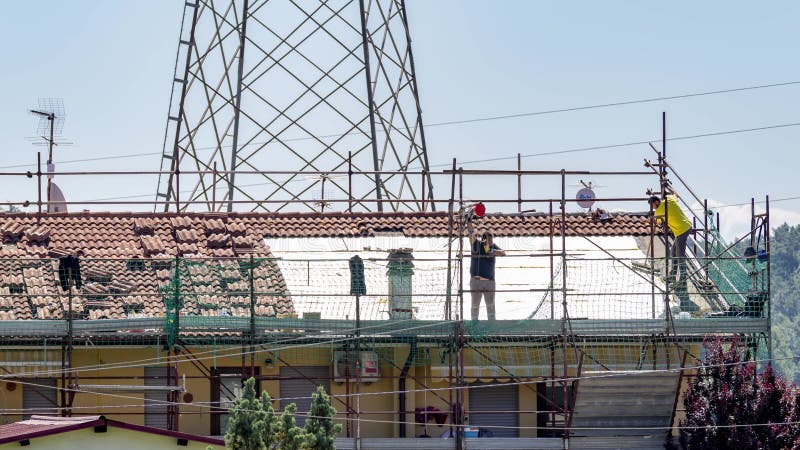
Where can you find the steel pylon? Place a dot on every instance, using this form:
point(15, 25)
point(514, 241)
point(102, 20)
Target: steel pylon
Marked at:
point(294, 105)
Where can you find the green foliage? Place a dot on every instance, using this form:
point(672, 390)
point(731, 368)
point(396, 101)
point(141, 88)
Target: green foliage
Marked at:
point(270, 420)
point(253, 424)
point(785, 299)
point(319, 429)
point(249, 423)
point(289, 436)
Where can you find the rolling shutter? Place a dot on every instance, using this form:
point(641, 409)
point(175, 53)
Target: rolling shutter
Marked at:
point(155, 412)
point(292, 390)
point(41, 399)
point(485, 410)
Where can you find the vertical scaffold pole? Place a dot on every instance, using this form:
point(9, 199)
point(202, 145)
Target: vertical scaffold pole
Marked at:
point(349, 182)
point(449, 293)
point(652, 261)
point(252, 320)
point(519, 183)
point(552, 269)
point(767, 244)
point(665, 229)
point(707, 260)
point(460, 262)
point(564, 311)
point(39, 182)
point(70, 379)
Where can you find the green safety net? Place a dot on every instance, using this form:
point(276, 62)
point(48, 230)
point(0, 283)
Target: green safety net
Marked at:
point(407, 316)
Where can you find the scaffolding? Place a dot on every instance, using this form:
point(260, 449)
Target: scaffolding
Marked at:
point(587, 308)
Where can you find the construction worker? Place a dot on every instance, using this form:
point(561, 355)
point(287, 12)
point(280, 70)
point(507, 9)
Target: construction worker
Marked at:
point(481, 270)
point(680, 225)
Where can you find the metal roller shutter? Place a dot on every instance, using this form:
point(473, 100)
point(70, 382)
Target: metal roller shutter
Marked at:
point(485, 409)
point(155, 412)
point(299, 386)
point(40, 397)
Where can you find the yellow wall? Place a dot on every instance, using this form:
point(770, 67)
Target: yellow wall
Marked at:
point(379, 412)
point(10, 400)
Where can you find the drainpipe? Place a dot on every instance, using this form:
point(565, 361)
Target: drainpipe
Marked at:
point(401, 388)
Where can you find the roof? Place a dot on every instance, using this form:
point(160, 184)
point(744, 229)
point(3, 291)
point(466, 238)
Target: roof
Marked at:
point(100, 232)
point(127, 258)
point(40, 426)
point(598, 268)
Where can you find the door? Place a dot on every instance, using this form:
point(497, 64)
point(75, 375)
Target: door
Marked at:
point(495, 409)
point(297, 385)
point(550, 404)
point(226, 386)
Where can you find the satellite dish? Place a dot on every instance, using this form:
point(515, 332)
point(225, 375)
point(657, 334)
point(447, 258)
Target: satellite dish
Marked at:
point(56, 203)
point(585, 197)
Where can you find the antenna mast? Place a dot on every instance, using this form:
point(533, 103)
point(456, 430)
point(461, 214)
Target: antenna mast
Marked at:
point(51, 123)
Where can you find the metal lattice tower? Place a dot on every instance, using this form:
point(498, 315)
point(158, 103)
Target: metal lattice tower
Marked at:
point(298, 87)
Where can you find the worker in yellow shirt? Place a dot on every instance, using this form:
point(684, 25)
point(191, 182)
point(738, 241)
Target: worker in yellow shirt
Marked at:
point(680, 225)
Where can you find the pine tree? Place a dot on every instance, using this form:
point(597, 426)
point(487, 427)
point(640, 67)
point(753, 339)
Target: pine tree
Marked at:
point(248, 424)
point(270, 421)
point(288, 435)
point(320, 429)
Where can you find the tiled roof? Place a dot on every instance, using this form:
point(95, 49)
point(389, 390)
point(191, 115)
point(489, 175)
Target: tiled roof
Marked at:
point(127, 257)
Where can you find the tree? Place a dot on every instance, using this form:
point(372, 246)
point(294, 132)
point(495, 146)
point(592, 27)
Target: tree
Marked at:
point(729, 393)
point(319, 428)
point(253, 424)
point(785, 307)
point(288, 435)
point(252, 421)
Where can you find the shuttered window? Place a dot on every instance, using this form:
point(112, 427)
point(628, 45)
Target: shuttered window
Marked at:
point(155, 410)
point(495, 408)
point(304, 381)
point(39, 396)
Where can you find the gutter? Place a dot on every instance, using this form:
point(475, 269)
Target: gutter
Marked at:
point(401, 388)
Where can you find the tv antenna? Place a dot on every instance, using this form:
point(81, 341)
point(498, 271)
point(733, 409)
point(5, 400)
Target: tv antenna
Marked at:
point(319, 195)
point(51, 123)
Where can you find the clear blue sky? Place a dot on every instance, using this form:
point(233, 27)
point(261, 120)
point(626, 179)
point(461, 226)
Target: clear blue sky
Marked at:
point(112, 61)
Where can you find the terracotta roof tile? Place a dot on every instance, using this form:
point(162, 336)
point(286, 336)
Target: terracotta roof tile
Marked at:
point(143, 225)
point(144, 247)
point(179, 222)
point(152, 245)
point(218, 240)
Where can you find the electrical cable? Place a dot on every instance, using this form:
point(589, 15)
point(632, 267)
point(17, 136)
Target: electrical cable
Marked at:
point(213, 354)
point(464, 121)
point(214, 408)
point(532, 155)
point(456, 388)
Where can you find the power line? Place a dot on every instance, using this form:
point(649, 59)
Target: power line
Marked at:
point(219, 353)
point(758, 202)
point(211, 408)
point(465, 121)
point(627, 144)
point(608, 105)
point(557, 152)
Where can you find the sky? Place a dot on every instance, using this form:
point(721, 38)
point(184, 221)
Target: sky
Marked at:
point(112, 63)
